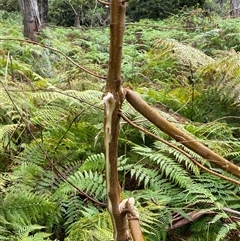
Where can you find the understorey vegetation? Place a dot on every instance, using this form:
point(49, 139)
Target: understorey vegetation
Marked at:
point(52, 167)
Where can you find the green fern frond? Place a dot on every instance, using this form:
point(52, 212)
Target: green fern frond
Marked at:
point(90, 228)
point(26, 174)
point(226, 229)
point(95, 162)
point(49, 114)
point(72, 211)
point(152, 224)
point(22, 68)
point(188, 55)
point(24, 234)
point(6, 131)
point(198, 194)
point(150, 178)
point(103, 234)
point(89, 96)
point(31, 153)
point(90, 182)
point(19, 210)
point(218, 217)
point(25, 205)
point(178, 156)
point(224, 76)
point(223, 191)
point(166, 165)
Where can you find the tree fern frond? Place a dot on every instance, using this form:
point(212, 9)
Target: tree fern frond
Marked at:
point(218, 217)
point(103, 234)
point(224, 73)
point(150, 178)
point(89, 96)
point(225, 230)
point(90, 182)
point(49, 114)
point(223, 191)
point(198, 194)
point(6, 131)
point(167, 166)
point(178, 156)
point(24, 233)
point(27, 173)
point(95, 162)
point(154, 221)
point(188, 55)
point(71, 211)
point(23, 208)
point(23, 68)
point(88, 211)
point(31, 153)
point(90, 228)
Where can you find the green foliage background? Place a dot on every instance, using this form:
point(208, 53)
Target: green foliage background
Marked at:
point(51, 129)
point(93, 13)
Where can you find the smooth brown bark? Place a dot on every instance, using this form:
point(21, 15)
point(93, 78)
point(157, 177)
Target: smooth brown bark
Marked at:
point(153, 116)
point(135, 230)
point(112, 119)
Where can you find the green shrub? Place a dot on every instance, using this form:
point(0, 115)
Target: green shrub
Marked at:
point(156, 9)
point(9, 5)
point(90, 12)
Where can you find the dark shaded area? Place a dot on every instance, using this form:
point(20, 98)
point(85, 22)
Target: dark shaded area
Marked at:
point(156, 9)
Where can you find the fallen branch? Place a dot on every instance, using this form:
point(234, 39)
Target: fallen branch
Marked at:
point(192, 216)
point(153, 116)
point(180, 150)
point(179, 221)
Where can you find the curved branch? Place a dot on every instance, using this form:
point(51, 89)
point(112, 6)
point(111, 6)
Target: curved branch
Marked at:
point(153, 116)
point(104, 3)
point(180, 150)
point(192, 216)
point(57, 51)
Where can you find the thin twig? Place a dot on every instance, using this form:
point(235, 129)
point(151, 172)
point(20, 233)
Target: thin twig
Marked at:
point(62, 174)
point(158, 27)
point(68, 128)
point(57, 51)
point(10, 97)
point(49, 159)
point(179, 149)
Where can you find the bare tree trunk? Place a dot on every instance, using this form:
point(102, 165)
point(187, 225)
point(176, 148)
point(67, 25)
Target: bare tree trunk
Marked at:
point(234, 8)
point(31, 19)
point(77, 15)
point(77, 20)
point(43, 6)
point(113, 99)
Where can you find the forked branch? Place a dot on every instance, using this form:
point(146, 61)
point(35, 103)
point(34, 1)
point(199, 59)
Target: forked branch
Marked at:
point(113, 100)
